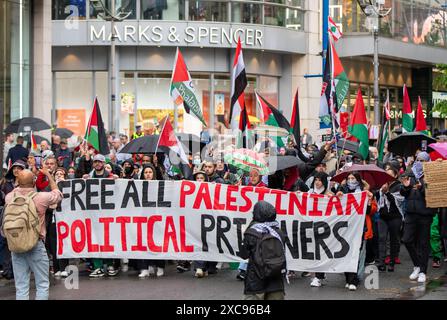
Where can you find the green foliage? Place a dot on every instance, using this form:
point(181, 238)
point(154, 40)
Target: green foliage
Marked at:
point(441, 107)
point(440, 81)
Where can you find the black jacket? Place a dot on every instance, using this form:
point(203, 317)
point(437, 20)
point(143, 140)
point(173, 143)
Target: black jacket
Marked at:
point(392, 212)
point(16, 153)
point(307, 168)
point(416, 199)
point(253, 284)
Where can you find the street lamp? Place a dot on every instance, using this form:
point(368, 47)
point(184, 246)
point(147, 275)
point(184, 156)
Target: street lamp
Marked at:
point(374, 10)
point(112, 16)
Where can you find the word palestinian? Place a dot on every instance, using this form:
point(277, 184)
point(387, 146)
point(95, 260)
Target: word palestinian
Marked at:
point(185, 220)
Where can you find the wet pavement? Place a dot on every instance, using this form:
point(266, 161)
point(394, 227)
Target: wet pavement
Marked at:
point(224, 286)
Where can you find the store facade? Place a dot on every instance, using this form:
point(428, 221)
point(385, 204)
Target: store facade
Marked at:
point(272, 35)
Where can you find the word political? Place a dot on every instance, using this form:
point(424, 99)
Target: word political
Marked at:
point(149, 33)
point(186, 220)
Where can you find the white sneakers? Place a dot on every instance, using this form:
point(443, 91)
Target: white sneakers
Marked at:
point(352, 287)
point(199, 273)
point(150, 272)
point(418, 275)
point(143, 274)
point(422, 278)
point(62, 274)
point(315, 282)
point(160, 272)
point(415, 274)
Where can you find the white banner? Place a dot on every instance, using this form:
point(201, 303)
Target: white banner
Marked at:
point(185, 220)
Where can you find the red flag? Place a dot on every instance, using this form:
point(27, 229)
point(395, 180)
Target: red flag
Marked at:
point(421, 125)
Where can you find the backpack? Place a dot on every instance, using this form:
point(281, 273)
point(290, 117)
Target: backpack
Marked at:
point(21, 226)
point(269, 257)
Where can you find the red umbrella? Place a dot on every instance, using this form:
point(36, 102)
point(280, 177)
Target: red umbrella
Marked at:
point(372, 174)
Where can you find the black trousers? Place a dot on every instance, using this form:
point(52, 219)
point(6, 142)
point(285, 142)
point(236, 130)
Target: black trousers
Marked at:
point(391, 227)
point(58, 264)
point(144, 264)
point(417, 239)
point(206, 265)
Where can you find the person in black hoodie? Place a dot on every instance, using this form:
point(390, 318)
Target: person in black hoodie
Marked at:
point(418, 219)
point(390, 203)
point(256, 288)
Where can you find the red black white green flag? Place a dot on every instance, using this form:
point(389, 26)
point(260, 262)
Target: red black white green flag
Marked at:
point(358, 126)
point(407, 114)
point(384, 130)
point(182, 89)
point(334, 90)
point(95, 135)
point(271, 116)
point(295, 120)
point(238, 113)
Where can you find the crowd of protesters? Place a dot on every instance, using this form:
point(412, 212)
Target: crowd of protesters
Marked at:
point(396, 212)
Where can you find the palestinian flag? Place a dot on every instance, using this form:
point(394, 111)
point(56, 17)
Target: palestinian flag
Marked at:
point(238, 113)
point(421, 125)
point(384, 130)
point(333, 30)
point(182, 89)
point(169, 140)
point(271, 116)
point(33, 143)
point(95, 135)
point(407, 118)
point(295, 120)
point(358, 126)
point(334, 90)
point(340, 78)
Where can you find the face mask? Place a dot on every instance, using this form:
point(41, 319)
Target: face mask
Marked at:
point(71, 176)
point(196, 162)
point(128, 170)
point(353, 185)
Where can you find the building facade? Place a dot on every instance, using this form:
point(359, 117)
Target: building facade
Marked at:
point(69, 57)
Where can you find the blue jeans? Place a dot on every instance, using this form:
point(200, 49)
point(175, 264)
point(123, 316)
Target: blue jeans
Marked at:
point(243, 266)
point(35, 260)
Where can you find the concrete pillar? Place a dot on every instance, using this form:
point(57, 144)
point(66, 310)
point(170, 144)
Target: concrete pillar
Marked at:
point(42, 75)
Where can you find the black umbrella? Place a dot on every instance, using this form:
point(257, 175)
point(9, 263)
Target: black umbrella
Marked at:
point(27, 124)
point(145, 144)
point(277, 163)
point(63, 133)
point(408, 143)
point(191, 143)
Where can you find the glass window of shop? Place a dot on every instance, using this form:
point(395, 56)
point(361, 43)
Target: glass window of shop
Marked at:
point(415, 21)
point(73, 100)
point(162, 9)
point(74, 9)
point(246, 12)
point(274, 15)
point(121, 6)
point(15, 40)
point(215, 11)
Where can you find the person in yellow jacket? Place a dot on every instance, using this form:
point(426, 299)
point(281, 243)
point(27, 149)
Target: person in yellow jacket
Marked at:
point(138, 134)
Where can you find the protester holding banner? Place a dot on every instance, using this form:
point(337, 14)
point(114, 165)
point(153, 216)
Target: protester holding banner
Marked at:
point(354, 183)
point(320, 185)
point(390, 204)
point(59, 265)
